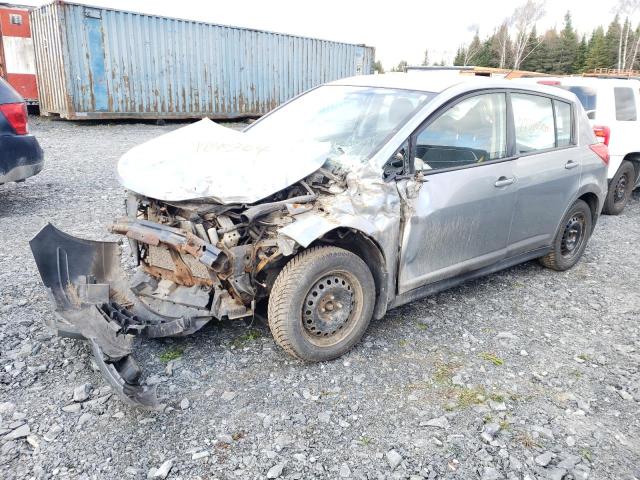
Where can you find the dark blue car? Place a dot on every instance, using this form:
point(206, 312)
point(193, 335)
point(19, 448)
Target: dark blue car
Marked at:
point(20, 154)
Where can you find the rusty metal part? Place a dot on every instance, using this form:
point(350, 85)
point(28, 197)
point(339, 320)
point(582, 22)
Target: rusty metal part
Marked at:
point(262, 209)
point(153, 234)
point(167, 274)
point(182, 272)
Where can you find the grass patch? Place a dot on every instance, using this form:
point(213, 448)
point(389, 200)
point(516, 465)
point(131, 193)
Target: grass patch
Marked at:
point(586, 454)
point(444, 372)
point(250, 336)
point(496, 397)
point(170, 354)
point(467, 397)
point(505, 425)
point(584, 357)
point(493, 358)
point(403, 343)
point(365, 441)
point(527, 440)
point(462, 397)
point(419, 386)
point(421, 326)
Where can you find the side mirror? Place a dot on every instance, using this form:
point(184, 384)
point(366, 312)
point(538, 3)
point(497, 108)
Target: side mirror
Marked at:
point(397, 161)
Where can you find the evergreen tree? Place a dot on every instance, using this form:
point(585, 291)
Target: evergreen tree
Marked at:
point(612, 44)
point(598, 51)
point(567, 48)
point(581, 56)
point(472, 51)
point(535, 49)
point(458, 60)
point(377, 67)
point(551, 52)
point(401, 67)
point(486, 56)
point(425, 61)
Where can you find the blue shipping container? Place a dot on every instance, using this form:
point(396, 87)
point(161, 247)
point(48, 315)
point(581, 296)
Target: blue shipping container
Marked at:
point(101, 63)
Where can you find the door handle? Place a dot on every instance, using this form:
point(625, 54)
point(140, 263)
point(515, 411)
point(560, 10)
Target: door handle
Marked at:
point(571, 164)
point(504, 181)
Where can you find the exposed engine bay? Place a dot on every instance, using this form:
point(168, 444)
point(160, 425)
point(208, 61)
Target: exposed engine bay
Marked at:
point(201, 260)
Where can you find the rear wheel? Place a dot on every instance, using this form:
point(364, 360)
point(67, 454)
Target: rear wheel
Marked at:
point(620, 189)
point(571, 239)
point(321, 303)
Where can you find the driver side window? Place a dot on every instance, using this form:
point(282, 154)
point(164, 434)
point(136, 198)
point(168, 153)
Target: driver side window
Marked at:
point(472, 131)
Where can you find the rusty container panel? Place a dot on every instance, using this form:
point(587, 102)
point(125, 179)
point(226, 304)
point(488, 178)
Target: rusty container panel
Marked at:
point(103, 63)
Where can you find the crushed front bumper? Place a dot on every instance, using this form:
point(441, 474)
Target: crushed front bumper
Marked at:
point(93, 302)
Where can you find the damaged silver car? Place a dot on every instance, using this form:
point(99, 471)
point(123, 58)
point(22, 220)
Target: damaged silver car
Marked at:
point(354, 198)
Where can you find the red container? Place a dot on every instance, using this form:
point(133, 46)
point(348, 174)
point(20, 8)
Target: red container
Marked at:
point(17, 56)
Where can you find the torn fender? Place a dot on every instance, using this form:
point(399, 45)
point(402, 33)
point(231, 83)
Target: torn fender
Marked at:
point(86, 283)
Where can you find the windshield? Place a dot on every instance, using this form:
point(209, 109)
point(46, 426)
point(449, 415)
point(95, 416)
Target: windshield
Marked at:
point(355, 121)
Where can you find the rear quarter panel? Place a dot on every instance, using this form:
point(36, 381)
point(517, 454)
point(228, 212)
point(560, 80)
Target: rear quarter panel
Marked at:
point(593, 177)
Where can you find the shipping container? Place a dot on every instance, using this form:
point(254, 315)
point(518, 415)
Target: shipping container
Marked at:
point(17, 57)
point(97, 63)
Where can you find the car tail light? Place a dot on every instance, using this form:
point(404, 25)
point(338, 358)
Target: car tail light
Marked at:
point(16, 115)
point(602, 133)
point(602, 151)
point(553, 83)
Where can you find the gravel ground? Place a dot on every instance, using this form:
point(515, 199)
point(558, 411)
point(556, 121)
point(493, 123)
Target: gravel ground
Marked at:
point(525, 374)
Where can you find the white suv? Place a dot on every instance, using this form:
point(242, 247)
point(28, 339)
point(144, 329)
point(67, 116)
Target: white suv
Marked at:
point(613, 108)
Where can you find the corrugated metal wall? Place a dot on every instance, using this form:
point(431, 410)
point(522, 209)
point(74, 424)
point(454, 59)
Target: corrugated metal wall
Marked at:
point(101, 63)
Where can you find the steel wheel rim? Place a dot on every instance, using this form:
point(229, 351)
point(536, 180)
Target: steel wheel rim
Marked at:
point(573, 235)
point(330, 308)
point(620, 192)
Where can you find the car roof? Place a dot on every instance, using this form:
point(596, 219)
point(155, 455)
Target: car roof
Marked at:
point(437, 82)
point(589, 81)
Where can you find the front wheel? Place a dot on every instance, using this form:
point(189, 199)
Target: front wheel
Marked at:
point(321, 303)
point(620, 189)
point(571, 239)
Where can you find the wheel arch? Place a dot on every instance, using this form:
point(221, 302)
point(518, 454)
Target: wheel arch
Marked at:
point(365, 247)
point(591, 199)
point(634, 158)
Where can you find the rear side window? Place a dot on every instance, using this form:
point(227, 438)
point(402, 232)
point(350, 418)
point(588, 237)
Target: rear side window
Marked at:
point(587, 97)
point(563, 123)
point(533, 119)
point(625, 104)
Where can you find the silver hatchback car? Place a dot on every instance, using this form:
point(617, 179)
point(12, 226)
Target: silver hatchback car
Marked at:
point(351, 199)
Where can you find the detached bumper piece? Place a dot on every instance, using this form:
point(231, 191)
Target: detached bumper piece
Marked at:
point(89, 289)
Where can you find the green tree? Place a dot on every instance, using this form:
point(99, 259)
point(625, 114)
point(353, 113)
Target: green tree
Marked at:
point(377, 67)
point(486, 56)
point(458, 60)
point(567, 48)
point(581, 56)
point(401, 67)
point(551, 53)
point(598, 52)
point(535, 52)
point(425, 61)
point(612, 43)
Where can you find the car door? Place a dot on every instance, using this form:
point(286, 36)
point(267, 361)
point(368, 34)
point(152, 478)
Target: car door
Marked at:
point(460, 216)
point(548, 168)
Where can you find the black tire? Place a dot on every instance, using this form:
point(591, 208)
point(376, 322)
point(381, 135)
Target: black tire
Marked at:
point(571, 239)
point(305, 318)
point(620, 189)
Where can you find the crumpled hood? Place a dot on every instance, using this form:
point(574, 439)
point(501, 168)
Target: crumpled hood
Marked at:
point(207, 160)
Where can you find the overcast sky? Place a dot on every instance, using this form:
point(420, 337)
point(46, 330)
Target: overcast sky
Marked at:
point(400, 31)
